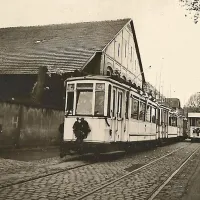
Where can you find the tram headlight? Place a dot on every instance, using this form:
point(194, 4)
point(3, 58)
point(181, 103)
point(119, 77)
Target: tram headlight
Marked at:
point(68, 112)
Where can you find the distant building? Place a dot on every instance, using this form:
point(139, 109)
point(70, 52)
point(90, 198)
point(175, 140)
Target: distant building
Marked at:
point(34, 60)
point(175, 104)
point(149, 88)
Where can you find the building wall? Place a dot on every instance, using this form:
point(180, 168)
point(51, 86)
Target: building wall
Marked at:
point(93, 67)
point(8, 121)
point(121, 55)
point(28, 126)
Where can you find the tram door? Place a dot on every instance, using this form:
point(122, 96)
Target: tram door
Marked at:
point(166, 123)
point(118, 102)
point(163, 123)
point(158, 121)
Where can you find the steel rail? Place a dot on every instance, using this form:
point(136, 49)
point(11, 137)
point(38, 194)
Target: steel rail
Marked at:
point(159, 188)
point(45, 175)
point(126, 175)
point(82, 165)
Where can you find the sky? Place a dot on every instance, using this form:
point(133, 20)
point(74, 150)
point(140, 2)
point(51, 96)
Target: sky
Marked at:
point(168, 41)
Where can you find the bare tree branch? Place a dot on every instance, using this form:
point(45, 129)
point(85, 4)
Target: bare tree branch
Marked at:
point(192, 7)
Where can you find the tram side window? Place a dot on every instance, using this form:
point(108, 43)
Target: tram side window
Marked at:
point(113, 112)
point(99, 99)
point(197, 122)
point(166, 118)
point(170, 121)
point(119, 104)
point(70, 99)
point(109, 100)
point(162, 116)
point(148, 114)
point(127, 104)
point(192, 122)
point(134, 109)
point(142, 111)
point(99, 103)
point(153, 115)
point(173, 121)
point(158, 121)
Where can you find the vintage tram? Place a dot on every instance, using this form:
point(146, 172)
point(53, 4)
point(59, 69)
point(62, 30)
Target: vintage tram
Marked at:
point(194, 126)
point(104, 115)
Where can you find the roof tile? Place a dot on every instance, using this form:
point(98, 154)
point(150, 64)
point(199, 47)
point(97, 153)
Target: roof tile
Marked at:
point(65, 46)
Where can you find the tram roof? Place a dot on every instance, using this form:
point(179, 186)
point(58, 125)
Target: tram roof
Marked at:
point(194, 114)
point(106, 78)
point(98, 77)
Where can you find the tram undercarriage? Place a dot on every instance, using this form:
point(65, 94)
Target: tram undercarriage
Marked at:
point(81, 147)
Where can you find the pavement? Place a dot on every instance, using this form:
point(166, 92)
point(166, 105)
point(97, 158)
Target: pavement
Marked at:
point(30, 154)
point(27, 164)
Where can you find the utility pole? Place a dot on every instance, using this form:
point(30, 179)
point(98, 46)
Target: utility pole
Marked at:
point(155, 92)
point(160, 78)
point(19, 125)
point(163, 91)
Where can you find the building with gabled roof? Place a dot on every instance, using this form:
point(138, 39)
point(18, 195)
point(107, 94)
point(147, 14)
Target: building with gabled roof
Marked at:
point(174, 103)
point(36, 58)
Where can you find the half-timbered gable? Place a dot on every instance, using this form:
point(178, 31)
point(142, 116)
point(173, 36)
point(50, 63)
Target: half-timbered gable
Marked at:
point(122, 54)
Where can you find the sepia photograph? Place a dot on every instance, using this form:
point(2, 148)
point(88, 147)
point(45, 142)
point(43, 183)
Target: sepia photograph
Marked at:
point(99, 100)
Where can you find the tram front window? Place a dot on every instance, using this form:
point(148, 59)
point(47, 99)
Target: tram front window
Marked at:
point(89, 100)
point(99, 99)
point(99, 103)
point(84, 102)
point(70, 102)
point(70, 99)
point(84, 96)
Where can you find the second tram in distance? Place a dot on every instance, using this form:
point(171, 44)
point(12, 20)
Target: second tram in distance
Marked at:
point(194, 126)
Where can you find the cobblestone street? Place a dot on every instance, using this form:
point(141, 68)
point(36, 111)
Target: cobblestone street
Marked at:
point(13, 171)
point(55, 179)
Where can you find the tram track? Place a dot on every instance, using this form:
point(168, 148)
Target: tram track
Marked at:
point(91, 163)
point(76, 158)
point(48, 174)
point(158, 189)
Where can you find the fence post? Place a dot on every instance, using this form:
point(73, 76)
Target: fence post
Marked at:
point(19, 124)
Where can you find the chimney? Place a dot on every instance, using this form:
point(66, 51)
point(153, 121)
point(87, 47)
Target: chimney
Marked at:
point(39, 87)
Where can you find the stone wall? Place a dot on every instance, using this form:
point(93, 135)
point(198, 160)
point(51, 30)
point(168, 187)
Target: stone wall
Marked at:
point(29, 126)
